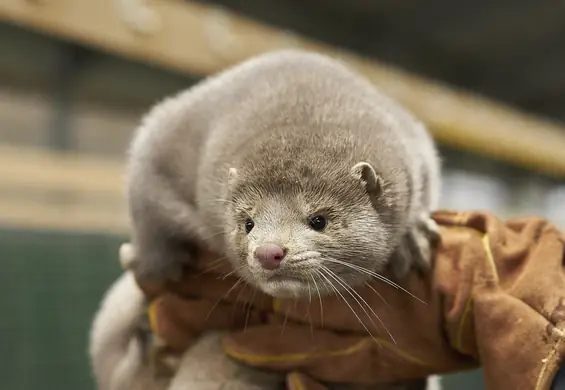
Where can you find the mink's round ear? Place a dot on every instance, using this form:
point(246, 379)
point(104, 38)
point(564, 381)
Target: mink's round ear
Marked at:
point(365, 173)
point(232, 176)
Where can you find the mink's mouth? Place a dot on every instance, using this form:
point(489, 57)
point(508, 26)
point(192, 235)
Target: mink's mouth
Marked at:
point(285, 273)
point(291, 279)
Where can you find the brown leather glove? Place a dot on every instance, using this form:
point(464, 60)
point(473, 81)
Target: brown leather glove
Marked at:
point(496, 296)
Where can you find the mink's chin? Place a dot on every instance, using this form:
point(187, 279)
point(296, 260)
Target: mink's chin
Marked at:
point(279, 285)
point(282, 287)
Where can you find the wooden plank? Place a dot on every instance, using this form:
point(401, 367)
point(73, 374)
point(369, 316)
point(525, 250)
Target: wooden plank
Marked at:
point(48, 190)
point(200, 39)
point(38, 168)
point(73, 217)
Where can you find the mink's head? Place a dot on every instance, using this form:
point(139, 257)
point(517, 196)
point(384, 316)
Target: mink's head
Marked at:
point(295, 230)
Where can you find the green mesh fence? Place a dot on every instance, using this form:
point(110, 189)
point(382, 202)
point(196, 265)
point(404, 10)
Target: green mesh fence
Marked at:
point(50, 286)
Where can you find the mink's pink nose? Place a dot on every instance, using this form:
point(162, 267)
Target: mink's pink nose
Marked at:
point(269, 255)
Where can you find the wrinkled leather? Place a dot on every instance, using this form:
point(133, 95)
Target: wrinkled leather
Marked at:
point(495, 297)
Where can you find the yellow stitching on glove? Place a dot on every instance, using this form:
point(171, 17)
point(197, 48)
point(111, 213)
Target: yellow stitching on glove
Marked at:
point(485, 239)
point(249, 358)
point(152, 313)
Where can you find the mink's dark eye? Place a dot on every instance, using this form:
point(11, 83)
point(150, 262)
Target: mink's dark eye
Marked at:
point(317, 222)
point(249, 224)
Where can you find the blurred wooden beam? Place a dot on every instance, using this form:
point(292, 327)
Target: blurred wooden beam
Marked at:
point(200, 39)
point(40, 168)
point(72, 217)
point(48, 190)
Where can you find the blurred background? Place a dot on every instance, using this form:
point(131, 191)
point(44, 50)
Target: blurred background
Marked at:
point(75, 76)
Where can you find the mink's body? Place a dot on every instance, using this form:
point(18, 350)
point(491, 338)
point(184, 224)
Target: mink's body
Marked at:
point(254, 161)
point(292, 166)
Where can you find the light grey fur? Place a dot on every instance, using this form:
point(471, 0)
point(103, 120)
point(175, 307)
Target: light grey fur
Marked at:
point(292, 128)
point(278, 138)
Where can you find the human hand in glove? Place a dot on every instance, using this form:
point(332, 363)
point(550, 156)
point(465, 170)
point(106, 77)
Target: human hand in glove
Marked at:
point(495, 297)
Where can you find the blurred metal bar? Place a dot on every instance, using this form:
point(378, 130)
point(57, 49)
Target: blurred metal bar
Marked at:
point(37, 168)
point(200, 39)
point(68, 191)
point(61, 134)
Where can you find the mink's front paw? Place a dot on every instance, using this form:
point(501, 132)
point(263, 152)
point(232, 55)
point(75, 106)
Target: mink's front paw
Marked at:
point(416, 248)
point(154, 270)
point(162, 262)
point(425, 236)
